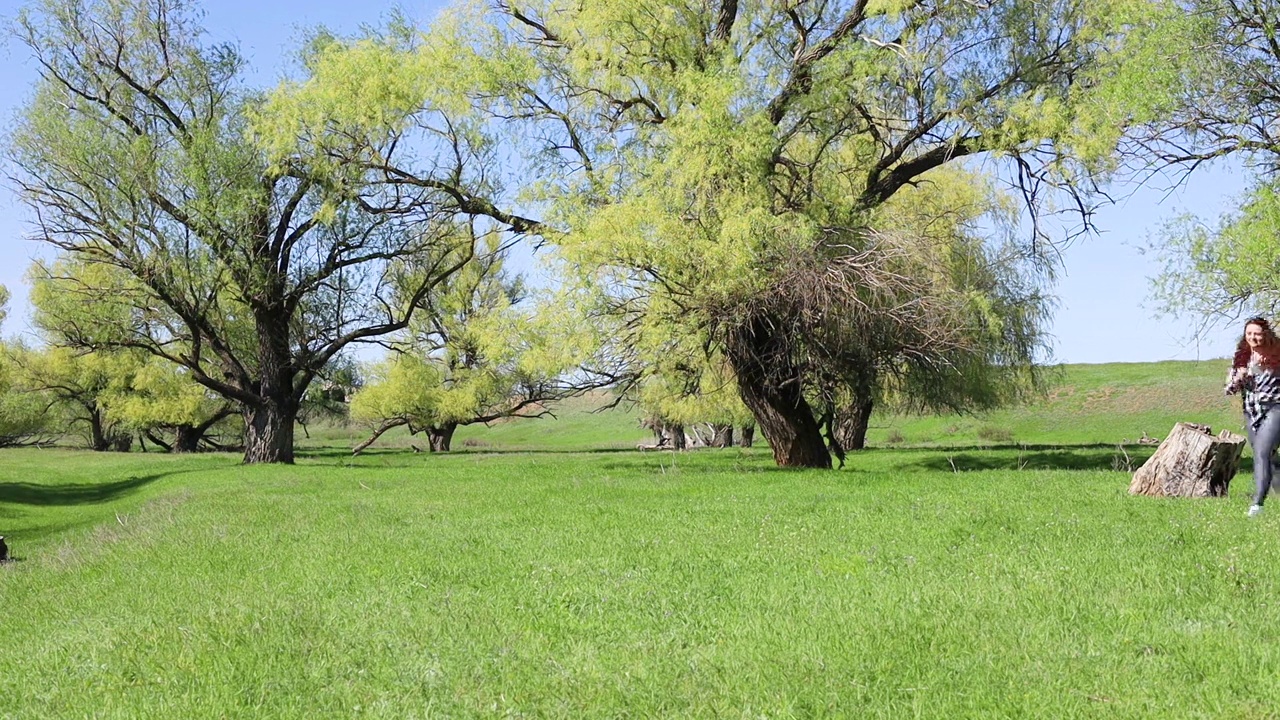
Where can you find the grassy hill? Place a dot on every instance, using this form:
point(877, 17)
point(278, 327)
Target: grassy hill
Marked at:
point(957, 577)
point(1109, 403)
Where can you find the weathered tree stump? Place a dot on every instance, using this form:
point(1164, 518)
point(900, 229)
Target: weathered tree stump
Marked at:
point(1191, 462)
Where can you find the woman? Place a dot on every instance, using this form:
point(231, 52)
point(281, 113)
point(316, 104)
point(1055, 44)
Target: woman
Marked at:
point(1255, 371)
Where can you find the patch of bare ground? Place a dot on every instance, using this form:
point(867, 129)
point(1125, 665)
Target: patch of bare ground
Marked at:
point(1157, 398)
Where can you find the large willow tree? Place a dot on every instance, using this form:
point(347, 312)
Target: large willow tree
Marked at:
point(720, 167)
point(256, 251)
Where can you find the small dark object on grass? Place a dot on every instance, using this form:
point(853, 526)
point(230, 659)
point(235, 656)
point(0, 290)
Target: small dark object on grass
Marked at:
point(4, 551)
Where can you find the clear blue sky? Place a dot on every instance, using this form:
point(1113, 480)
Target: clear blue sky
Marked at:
point(1103, 313)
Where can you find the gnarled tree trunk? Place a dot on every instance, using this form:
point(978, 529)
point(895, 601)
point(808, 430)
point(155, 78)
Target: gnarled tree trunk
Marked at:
point(851, 422)
point(121, 442)
point(268, 436)
point(748, 435)
point(441, 437)
point(676, 434)
point(770, 386)
point(98, 439)
point(722, 436)
point(269, 422)
point(186, 438)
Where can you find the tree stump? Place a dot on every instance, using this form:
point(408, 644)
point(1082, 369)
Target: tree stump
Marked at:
point(1191, 462)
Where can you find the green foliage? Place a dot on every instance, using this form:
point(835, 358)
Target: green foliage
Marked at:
point(1223, 269)
point(79, 305)
point(690, 388)
point(161, 394)
point(1157, 52)
point(402, 386)
point(477, 351)
point(960, 226)
point(80, 384)
point(24, 410)
point(1196, 83)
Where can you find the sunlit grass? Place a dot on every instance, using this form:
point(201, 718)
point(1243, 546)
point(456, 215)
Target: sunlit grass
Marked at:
point(619, 583)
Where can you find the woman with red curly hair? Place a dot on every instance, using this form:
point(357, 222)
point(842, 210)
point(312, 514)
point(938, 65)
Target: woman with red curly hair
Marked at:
point(1255, 372)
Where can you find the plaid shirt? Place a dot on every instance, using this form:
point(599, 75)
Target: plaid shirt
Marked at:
point(1258, 384)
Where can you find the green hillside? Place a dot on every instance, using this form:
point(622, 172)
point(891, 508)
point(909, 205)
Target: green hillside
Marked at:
point(1109, 403)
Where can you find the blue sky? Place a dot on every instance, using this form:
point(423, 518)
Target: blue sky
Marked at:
point(1104, 313)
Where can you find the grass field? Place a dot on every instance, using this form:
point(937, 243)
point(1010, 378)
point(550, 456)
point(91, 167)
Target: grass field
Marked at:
point(946, 576)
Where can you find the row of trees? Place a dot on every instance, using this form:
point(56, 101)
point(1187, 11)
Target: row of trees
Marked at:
point(784, 211)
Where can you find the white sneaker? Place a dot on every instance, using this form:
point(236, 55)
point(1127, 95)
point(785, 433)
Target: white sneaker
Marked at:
point(1255, 510)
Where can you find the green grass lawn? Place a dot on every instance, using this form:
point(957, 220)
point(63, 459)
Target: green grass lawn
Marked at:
point(1018, 580)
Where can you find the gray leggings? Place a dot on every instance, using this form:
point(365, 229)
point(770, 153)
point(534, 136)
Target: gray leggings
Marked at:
point(1264, 440)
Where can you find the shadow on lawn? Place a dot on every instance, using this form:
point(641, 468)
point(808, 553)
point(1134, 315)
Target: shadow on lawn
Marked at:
point(338, 453)
point(22, 493)
point(960, 458)
point(1072, 457)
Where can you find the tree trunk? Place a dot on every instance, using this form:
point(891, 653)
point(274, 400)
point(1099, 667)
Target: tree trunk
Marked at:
point(121, 442)
point(186, 439)
point(723, 436)
point(1190, 463)
point(268, 436)
point(851, 422)
point(770, 387)
point(698, 440)
point(269, 423)
point(748, 435)
point(655, 425)
point(678, 439)
point(441, 437)
point(97, 436)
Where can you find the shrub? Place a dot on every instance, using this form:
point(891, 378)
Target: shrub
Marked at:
point(894, 437)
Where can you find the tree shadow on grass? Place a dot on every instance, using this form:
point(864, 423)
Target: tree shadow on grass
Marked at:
point(22, 493)
point(959, 458)
point(337, 453)
point(1016, 447)
point(1079, 458)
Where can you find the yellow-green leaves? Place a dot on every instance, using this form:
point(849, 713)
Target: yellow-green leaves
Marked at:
point(160, 394)
point(888, 7)
point(1225, 267)
point(401, 386)
point(1156, 56)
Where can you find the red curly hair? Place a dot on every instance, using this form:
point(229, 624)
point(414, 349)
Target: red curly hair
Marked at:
point(1269, 349)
